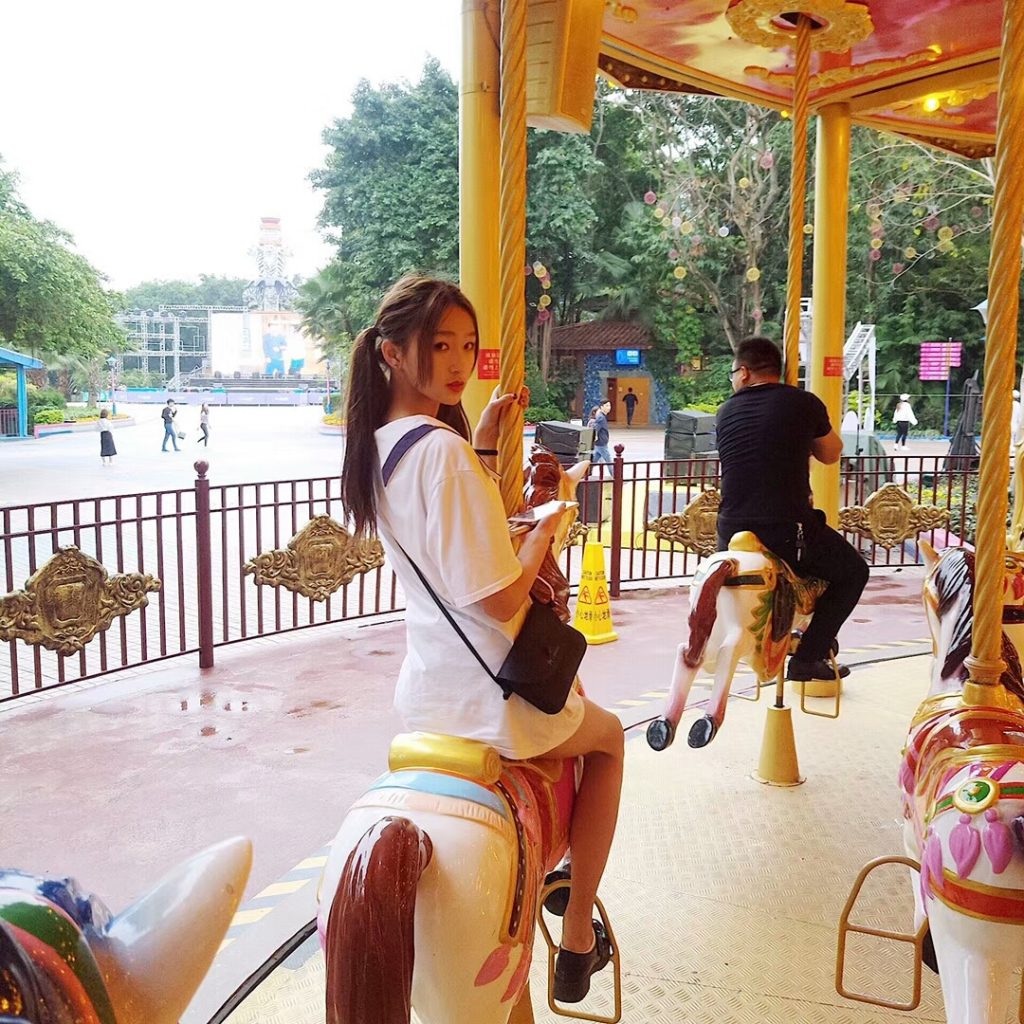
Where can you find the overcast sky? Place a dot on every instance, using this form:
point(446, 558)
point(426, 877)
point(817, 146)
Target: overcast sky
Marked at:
point(158, 132)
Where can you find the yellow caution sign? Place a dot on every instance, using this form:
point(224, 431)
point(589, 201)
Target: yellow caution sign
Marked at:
point(593, 609)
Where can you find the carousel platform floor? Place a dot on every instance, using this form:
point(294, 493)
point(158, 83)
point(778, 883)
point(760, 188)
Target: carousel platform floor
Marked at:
point(725, 894)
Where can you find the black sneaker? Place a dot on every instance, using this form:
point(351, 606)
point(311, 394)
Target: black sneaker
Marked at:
point(574, 970)
point(805, 671)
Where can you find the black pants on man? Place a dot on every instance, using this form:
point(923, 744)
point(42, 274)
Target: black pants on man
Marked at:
point(827, 556)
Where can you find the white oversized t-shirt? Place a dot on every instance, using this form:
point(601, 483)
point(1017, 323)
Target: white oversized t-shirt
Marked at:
point(443, 508)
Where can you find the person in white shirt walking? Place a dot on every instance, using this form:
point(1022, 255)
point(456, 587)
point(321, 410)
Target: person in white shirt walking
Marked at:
point(904, 419)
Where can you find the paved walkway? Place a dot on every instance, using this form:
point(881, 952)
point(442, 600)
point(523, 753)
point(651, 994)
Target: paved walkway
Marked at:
point(116, 779)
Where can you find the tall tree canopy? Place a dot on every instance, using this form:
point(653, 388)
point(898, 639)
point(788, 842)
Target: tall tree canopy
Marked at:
point(210, 290)
point(52, 301)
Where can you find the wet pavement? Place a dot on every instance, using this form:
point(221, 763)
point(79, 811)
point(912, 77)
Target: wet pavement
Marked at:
point(116, 779)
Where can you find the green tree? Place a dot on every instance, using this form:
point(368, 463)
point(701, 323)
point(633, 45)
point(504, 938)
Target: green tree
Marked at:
point(210, 290)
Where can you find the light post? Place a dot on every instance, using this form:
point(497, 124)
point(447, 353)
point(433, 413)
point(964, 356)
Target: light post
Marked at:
point(112, 363)
point(327, 363)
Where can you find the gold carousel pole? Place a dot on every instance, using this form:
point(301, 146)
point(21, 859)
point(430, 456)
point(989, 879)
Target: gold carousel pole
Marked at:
point(797, 196)
point(985, 662)
point(512, 246)
point(479, 138)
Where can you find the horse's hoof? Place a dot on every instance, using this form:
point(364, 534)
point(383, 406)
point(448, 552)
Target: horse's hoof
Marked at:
point(702, 732)
point(660, 734)
point(928, 957)
point(557, 901)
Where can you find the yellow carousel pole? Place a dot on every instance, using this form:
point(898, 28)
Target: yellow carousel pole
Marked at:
point(985, 663)
point(825, 364)
point(512, 246)
point(479, 138)
point(797, 196)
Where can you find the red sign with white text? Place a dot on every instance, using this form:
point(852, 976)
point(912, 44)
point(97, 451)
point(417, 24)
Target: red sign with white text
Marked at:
point(833, 366)
point(936, 359)
point(488, 364)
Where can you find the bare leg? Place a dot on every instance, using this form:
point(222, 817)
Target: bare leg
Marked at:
point(599, 741)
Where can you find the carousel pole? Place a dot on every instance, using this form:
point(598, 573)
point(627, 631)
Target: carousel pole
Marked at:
point(479, 137)
point(825, 365)
point(797, 197)
point(512, 246)
point(985, 663)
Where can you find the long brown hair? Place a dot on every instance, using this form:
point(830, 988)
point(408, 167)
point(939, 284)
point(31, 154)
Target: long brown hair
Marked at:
point(409, 313)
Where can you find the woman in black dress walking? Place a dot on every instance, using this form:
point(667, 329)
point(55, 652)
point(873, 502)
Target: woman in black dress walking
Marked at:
point(107, 449)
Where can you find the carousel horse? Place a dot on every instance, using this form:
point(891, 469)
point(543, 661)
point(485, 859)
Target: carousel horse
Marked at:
point(962, 788)
point(64, 959)
point(744, 605)
point(430, 893)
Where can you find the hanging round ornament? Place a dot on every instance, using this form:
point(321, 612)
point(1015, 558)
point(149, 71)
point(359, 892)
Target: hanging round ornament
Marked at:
point(932, 222)
point(544, 316)
point(945, 233)
point(919, 211)
point(659, 213)
point(874, 211)
point(897, 269)
point(723, 232)
point(673, 254)
point(946, 245)
point(910, 252)
point(808, 229)
point(539, 269)
point(529, 270)
point(650, 198)
point(686, 228)
point(753, 274)
point(767, 160)
point(977, 211)
point(875, 255)
point(546, 283)
point(679, 273)
point(876, 243)
point(876, 227)
point(676, 221)
point(544, 301)
point(744, 183)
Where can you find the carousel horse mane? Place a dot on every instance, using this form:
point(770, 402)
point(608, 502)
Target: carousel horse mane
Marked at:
point(953, 577)
point(543, 479)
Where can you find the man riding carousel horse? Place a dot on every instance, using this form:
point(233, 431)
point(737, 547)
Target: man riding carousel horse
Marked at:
point(767, 434)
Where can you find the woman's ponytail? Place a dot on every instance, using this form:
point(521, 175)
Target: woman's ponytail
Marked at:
point(366, 407)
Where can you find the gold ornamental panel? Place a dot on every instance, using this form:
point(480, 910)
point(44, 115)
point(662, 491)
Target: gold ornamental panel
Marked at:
point(695, 527)
point(838, 24)
point(320, 559)
point(889, 517)
point(69, 600)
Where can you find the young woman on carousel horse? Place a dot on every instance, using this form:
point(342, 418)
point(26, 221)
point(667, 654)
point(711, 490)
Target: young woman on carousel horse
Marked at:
point(442, 509)
point(767, 433)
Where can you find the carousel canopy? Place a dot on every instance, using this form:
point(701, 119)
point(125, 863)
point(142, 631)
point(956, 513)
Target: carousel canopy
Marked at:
point(923, 70)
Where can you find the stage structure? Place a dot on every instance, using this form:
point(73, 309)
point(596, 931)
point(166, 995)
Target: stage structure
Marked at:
point(261, 336)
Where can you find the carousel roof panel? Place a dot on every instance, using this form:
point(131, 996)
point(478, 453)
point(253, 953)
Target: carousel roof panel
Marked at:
point(923, 70)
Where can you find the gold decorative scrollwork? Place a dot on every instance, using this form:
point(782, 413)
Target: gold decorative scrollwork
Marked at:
point(577, 532)
point(69, 600)
point(695, 527)
point(839, 24)
point(321, 558)
point(889, 517)
point(846, 73)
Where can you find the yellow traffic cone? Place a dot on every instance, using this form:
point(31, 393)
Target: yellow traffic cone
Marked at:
point(593, 616)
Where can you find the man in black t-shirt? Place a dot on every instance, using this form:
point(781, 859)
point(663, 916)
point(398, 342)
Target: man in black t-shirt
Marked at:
point(767, 433)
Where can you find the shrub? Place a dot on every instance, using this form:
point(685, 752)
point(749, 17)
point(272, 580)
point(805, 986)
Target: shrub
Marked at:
point(48, 416)
point(48, 398)
point(537, 413)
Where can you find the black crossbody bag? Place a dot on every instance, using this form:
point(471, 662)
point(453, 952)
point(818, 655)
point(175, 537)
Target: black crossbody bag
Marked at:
point(542, 664)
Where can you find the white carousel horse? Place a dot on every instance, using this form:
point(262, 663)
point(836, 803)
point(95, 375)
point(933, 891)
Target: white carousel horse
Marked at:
point(962, 787)
point(64, 959)
point(430, 893)
point(744, 605)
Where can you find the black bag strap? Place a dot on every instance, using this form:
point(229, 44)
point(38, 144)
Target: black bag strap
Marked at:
point(405, 442)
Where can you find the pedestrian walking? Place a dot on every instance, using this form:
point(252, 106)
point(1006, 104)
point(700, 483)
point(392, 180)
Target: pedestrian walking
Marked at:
point(167, 414)
point(204, 425)
point(107, 449)
point(630, 401)
point(601, 452)
point(904, 419)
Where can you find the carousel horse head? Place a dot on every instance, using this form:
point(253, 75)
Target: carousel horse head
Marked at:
point(65, 959)
point(446, 855)
point(962, 788)
point(545, 480)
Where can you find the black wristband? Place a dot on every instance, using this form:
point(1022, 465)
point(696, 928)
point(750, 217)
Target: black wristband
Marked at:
point(486, 451)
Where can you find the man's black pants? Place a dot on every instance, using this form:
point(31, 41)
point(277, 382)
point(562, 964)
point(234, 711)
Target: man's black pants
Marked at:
point(827, 556)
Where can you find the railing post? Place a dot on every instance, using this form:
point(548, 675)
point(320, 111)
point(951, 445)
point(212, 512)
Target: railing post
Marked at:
point(616, 566)
point(204, 571)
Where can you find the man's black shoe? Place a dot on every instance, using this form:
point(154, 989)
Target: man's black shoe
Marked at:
point(805, 671)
